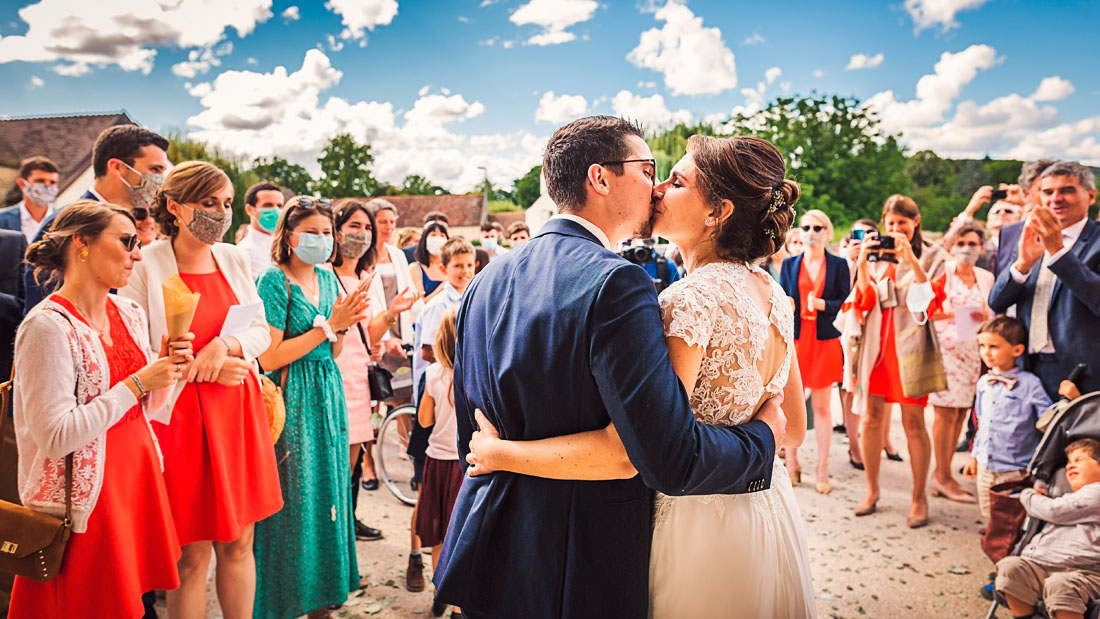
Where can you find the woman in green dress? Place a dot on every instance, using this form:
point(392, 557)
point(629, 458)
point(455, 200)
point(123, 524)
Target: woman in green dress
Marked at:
point(305, 554)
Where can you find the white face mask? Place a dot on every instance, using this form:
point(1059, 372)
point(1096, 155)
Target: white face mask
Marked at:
point(435, 244)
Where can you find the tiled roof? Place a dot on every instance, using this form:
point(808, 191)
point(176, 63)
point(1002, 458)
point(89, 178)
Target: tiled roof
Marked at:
point(468, 210)
point(67, 140)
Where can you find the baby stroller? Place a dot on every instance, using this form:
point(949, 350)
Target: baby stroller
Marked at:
point(1069, 421)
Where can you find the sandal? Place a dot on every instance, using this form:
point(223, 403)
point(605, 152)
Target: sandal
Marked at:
point(796, 477)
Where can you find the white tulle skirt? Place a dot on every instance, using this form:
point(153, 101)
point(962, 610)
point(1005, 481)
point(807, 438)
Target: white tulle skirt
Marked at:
point(729, 556)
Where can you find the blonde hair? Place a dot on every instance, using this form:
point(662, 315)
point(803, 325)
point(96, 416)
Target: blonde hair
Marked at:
point(190, 181)
point(820, 215)
point(444, 347)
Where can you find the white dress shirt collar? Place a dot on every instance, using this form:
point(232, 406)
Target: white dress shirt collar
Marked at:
point(27, 223)
point(591, 227)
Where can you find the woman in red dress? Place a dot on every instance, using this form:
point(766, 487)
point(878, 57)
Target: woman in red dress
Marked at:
point(883, 290)
point(818, 282)
point(84, 382)
point(219, 462)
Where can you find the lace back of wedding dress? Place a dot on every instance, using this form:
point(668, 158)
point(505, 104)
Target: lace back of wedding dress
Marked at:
point(744, 321)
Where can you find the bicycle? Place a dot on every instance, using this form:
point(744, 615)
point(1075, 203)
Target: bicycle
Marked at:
point(395, 467)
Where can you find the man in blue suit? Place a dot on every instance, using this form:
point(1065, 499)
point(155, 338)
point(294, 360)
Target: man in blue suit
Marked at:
point(1052, 275)
point(129, 163)
point(562, 336)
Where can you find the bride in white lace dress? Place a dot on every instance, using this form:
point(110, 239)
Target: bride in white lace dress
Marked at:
point(729, 328)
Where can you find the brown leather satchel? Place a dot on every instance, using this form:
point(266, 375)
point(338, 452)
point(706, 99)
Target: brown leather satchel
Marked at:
point(32, 544)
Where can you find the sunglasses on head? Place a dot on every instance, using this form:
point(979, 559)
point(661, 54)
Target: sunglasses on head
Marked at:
point(324, 203)
point(814, 228)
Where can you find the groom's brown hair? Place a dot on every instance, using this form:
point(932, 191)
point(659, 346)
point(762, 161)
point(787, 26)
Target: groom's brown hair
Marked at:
point(578, 145)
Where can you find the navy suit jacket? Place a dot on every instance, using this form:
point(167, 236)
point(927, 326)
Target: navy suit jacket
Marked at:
point(34, 292)
point(9, 219)
point(1074, 315)
point(837, 286)
point(13, 245)
point(558, 337)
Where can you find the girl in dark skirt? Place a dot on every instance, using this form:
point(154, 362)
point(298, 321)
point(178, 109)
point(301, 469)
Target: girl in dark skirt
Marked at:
point(442, 473)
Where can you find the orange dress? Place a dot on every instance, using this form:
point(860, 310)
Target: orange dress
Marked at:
point(219, 463)
point(885, 379)
point(821, 362)
point(130, 546)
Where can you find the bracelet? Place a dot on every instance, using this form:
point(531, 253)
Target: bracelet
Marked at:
point(390, 320)
point(141, 388)
point(319, 321)
point(342, 331)
point(224, 343)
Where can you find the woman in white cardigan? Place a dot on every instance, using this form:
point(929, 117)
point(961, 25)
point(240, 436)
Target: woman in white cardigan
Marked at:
point(219, 463)
point(85, 380)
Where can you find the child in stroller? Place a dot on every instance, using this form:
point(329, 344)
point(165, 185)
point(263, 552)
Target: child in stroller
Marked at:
point(1062, 562)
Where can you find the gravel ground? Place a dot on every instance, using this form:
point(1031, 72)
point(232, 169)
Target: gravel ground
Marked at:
point(867, 567)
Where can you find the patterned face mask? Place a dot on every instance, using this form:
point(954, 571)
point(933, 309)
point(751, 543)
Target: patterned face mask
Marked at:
point(208, 226)
point(144, 194)
point(814, 239)
point(967, 255)
point(355, 244)
point(41, 193)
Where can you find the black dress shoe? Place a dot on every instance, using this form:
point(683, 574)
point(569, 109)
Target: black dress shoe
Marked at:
point(855, 465)
point(438, 608)
point(840, 429)
point(370, 484)
point(963, 447)
point(366, 533)
point(896, 457)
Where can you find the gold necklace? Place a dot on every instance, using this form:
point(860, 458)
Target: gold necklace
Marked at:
point(101, 330)
point(301, 286)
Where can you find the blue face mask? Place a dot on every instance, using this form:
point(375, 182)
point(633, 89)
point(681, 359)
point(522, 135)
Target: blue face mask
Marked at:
point(489, 244)
point(313, 248)
point(269, 218)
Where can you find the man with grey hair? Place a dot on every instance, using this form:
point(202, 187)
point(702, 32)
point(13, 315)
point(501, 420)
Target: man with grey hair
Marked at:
point(1030, 174)
point(1054, 278)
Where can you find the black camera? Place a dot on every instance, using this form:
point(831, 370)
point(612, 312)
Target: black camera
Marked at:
point(884, 242)
point(637, 255)
point(998, 194)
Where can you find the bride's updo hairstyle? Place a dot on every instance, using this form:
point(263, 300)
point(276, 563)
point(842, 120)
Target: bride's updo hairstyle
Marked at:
point(749, 172)
point(84, 218)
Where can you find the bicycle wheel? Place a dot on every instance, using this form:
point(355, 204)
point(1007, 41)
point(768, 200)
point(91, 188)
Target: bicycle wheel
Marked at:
point(395, 467)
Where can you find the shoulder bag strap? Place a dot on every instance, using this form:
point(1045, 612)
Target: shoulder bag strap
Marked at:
point(358, 326)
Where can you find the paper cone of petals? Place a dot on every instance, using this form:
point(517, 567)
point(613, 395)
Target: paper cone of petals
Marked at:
point(179, 306)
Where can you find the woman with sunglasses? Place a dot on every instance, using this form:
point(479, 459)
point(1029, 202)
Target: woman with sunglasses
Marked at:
point(219, 464)
point(427, 273)
point(818, 282)
point(86, 378)
point(305, 554)
point(966, 287)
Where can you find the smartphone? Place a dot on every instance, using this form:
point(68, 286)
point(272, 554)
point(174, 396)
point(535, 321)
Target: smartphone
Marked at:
point(857, 235)
point(998, 194)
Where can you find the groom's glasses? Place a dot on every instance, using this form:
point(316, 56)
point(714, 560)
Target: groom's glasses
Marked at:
point(814, 228)
point(651, 172)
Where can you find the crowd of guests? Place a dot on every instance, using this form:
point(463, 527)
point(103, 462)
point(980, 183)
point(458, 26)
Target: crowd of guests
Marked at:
point(985, 325)
point(174, 460)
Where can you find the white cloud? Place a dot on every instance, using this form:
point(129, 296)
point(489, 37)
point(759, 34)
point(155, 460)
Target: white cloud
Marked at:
point(1052, 89)
point(333, 44)
point(930, 13)
point(772, 74)
point(508, 44)
point(863, 61)
point(693, 59)
point(785, 87)
point(647, 84)
point(252, 61)
point(650, 111)
point(425, 89)
point(464, 19)
point(358, 16)
point(291, 14)
point(755, 39)
point(935, 92)
point(553, 16)
point(200, 61)
point(559, 110)
point(818, 73)
point(36, 82)
point(282, 113)
point(125, 33)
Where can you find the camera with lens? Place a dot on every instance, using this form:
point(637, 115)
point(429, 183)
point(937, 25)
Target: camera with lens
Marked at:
point(884, 242)
point(637, 254)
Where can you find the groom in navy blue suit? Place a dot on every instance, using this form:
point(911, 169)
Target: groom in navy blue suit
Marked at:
point(1052, 274)
point(564, 336)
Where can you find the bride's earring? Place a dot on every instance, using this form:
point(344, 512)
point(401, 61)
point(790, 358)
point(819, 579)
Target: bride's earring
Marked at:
point(709, 221)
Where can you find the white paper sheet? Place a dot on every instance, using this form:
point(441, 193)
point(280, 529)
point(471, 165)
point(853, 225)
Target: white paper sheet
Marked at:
point(966, 326)
point(239, 318)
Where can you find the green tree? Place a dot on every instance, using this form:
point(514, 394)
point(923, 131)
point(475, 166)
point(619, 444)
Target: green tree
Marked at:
point(288, 175)
point(847, 166)
point(927, 169)
point(972, 174)
point(1003, 171)
point(345, 169)
point(416, 185)
point(527, 187)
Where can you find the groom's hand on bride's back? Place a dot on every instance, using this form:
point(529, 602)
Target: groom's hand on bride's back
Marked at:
point(771, 413)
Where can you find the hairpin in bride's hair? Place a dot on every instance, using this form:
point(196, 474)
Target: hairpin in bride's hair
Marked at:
point(777, 199)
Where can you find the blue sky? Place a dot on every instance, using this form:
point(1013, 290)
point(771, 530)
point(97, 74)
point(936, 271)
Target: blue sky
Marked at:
point(443, 88)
